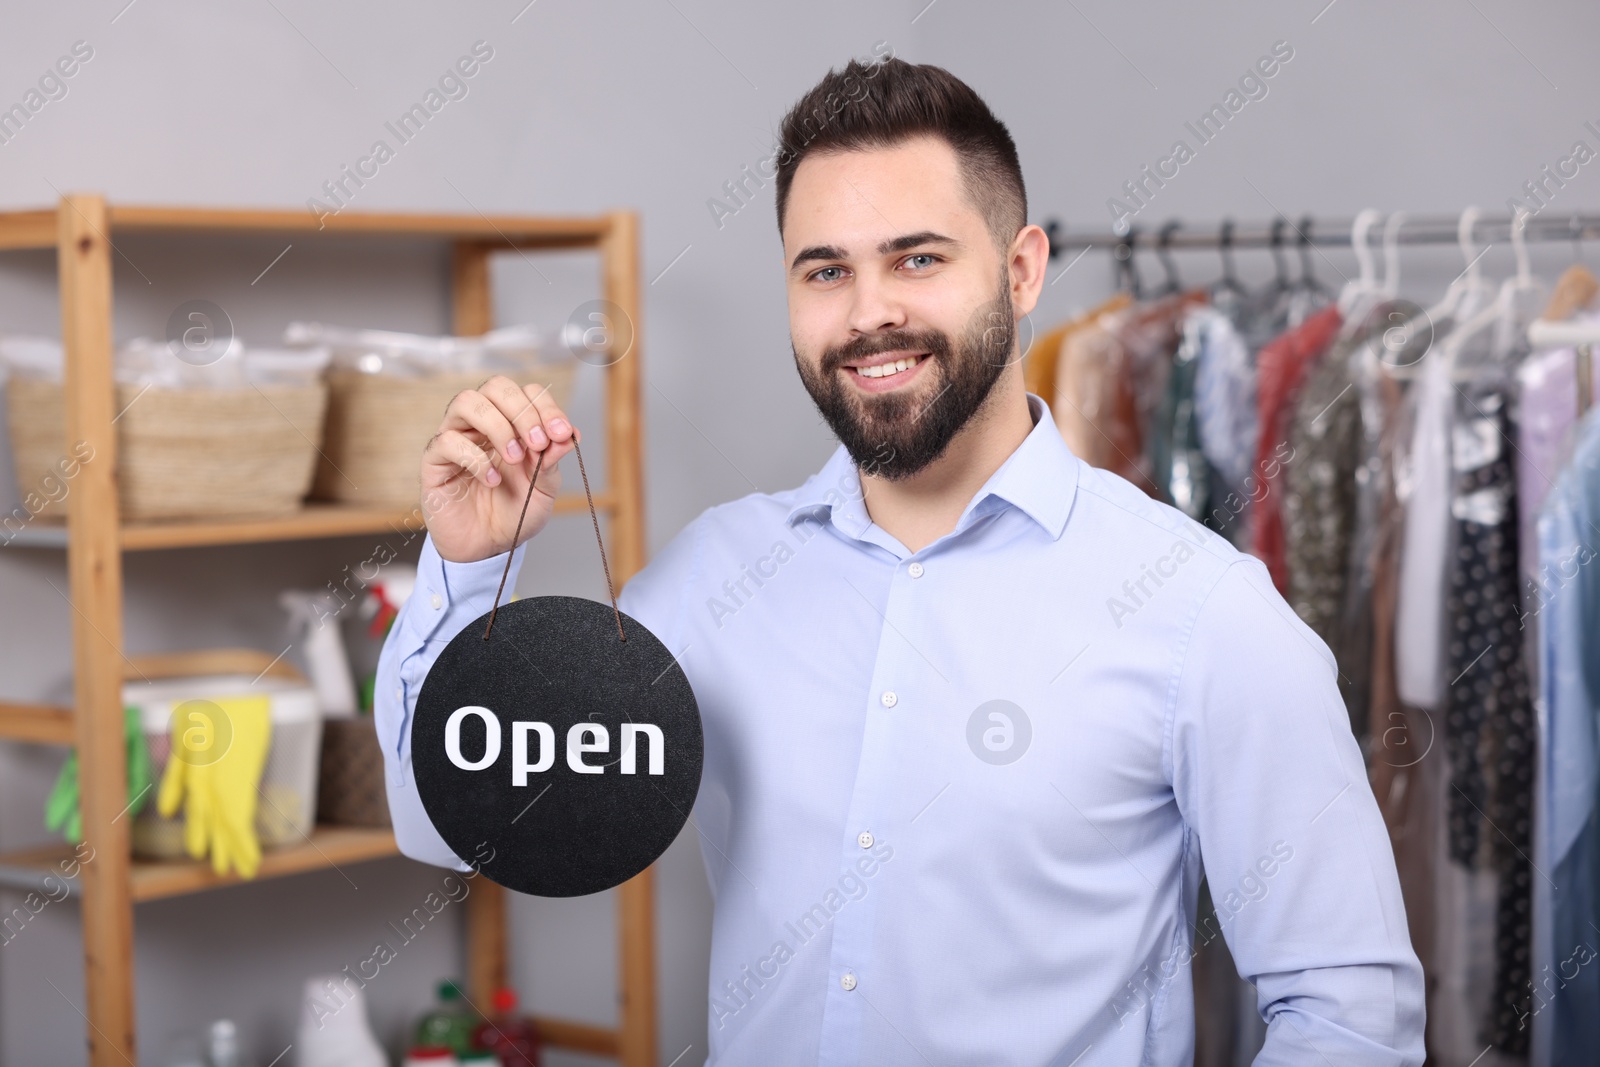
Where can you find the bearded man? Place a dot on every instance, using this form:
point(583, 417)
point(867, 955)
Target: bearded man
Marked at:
point(977, 715)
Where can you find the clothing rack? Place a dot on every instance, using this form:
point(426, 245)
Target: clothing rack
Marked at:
point(1421, 230)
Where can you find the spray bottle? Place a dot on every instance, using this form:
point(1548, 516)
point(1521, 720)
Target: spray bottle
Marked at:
point(314, 619)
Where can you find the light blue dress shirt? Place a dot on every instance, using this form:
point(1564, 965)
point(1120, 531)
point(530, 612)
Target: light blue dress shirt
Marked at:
point(1566, 985)
point(955, 801)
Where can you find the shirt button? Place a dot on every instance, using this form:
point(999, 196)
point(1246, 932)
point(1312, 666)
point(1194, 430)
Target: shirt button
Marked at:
point(915, 570)
point(889, 699)
point(864, 839)
point(437, 602)
point(848, 980)
point(400, 694)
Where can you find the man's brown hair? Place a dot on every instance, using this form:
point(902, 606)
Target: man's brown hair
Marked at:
point(883, 103)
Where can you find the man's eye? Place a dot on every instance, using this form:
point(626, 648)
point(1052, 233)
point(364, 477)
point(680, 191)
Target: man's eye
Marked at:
point(828, 274)
point(911, 261)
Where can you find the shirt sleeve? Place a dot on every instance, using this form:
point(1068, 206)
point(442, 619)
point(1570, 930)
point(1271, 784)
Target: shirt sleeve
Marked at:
point(1270, 778)
point(446, 598)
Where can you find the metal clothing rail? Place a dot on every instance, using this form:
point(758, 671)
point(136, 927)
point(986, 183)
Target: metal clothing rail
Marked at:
point(1282, 233)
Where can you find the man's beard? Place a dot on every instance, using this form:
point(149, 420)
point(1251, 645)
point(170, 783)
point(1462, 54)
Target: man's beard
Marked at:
point(897, 434)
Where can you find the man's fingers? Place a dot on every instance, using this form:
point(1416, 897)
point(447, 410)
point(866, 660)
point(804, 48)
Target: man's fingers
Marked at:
point(517, 406)
point(551, 426)
point(455, 451)
point(472, 410)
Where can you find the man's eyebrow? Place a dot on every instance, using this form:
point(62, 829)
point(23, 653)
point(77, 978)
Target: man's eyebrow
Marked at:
point(893, 244)
point(912, 240)
point(816, 252)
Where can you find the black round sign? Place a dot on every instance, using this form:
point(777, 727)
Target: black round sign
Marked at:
point(556, 758)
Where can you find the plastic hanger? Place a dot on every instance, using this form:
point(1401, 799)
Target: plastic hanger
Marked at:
point(1389, 287)
point(1468, 291)
point(1309, 283)
point(1462, 297)
point(1127, 271)
point(1501, 314)
point(1281, 282)
point(1229, 283)
point(1164, 253)
point(1365, 284)
point(1577, 287)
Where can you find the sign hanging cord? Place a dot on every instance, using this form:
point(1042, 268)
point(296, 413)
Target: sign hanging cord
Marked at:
point(594, 517)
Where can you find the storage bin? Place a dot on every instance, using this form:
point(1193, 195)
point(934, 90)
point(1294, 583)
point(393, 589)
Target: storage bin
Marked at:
point(236, 438)
point(387, 395)
point(350, 789)
point(286, 807)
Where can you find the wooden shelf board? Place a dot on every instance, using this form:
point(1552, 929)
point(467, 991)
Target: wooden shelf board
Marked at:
point(312, 521)
point(39, 723)
point(37, 228)
point(328, 847)
point(28, 229)
point(576, 1036)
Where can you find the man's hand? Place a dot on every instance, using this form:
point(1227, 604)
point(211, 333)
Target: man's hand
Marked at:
point(475, 470)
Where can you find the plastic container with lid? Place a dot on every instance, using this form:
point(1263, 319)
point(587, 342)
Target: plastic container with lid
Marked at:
point(430, 1056)
point(287, 805)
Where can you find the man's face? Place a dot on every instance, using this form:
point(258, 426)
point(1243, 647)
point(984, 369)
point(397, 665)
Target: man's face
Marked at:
point(900, 306)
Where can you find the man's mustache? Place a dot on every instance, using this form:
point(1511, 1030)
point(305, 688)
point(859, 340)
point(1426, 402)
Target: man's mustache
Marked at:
point(935, 344)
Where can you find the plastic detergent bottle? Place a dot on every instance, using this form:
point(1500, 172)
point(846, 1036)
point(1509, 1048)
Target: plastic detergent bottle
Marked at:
point(450, 1023)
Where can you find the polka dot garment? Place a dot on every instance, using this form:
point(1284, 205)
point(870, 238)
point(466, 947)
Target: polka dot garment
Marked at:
point(1489, 716)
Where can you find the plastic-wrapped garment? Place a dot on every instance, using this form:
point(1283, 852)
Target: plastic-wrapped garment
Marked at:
point(1330, 509)
point(1425, 492)
point(1225, 417)
point(1547, 413)
point(1280, 368)
point(1405, 753)
point(1043, 357)
point(1109, 382)
point(1319, 502)
point(1568, 986)
point(1178, 465)
point(1489, 721)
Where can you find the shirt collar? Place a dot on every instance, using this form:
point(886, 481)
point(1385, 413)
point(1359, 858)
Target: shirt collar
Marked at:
point(1040, 478)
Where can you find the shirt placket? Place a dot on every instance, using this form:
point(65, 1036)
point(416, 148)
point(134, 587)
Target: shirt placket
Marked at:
point(892, 696)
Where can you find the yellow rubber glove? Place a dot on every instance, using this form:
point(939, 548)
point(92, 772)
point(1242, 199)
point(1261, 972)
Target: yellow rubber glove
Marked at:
point(219, 748)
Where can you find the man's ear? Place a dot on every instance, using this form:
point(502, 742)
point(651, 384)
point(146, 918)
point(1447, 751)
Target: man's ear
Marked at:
point(1028, 256)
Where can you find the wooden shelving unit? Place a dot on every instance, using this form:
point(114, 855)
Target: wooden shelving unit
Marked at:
point(80, 228)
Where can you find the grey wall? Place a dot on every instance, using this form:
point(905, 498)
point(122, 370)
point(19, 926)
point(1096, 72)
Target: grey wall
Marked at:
point(652, 106)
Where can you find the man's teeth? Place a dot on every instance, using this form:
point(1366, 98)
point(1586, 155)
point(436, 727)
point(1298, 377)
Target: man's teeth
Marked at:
point(883, 370)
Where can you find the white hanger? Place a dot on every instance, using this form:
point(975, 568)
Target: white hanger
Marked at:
point(1462, 297)
point(1502, 312)
point(1468, 291)
point(1390, 286)
point(1365, 283)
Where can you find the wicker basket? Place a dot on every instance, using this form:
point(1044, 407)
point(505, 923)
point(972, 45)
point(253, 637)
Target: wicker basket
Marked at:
point(378, 425)
point(350, 790)
point(182, 453)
